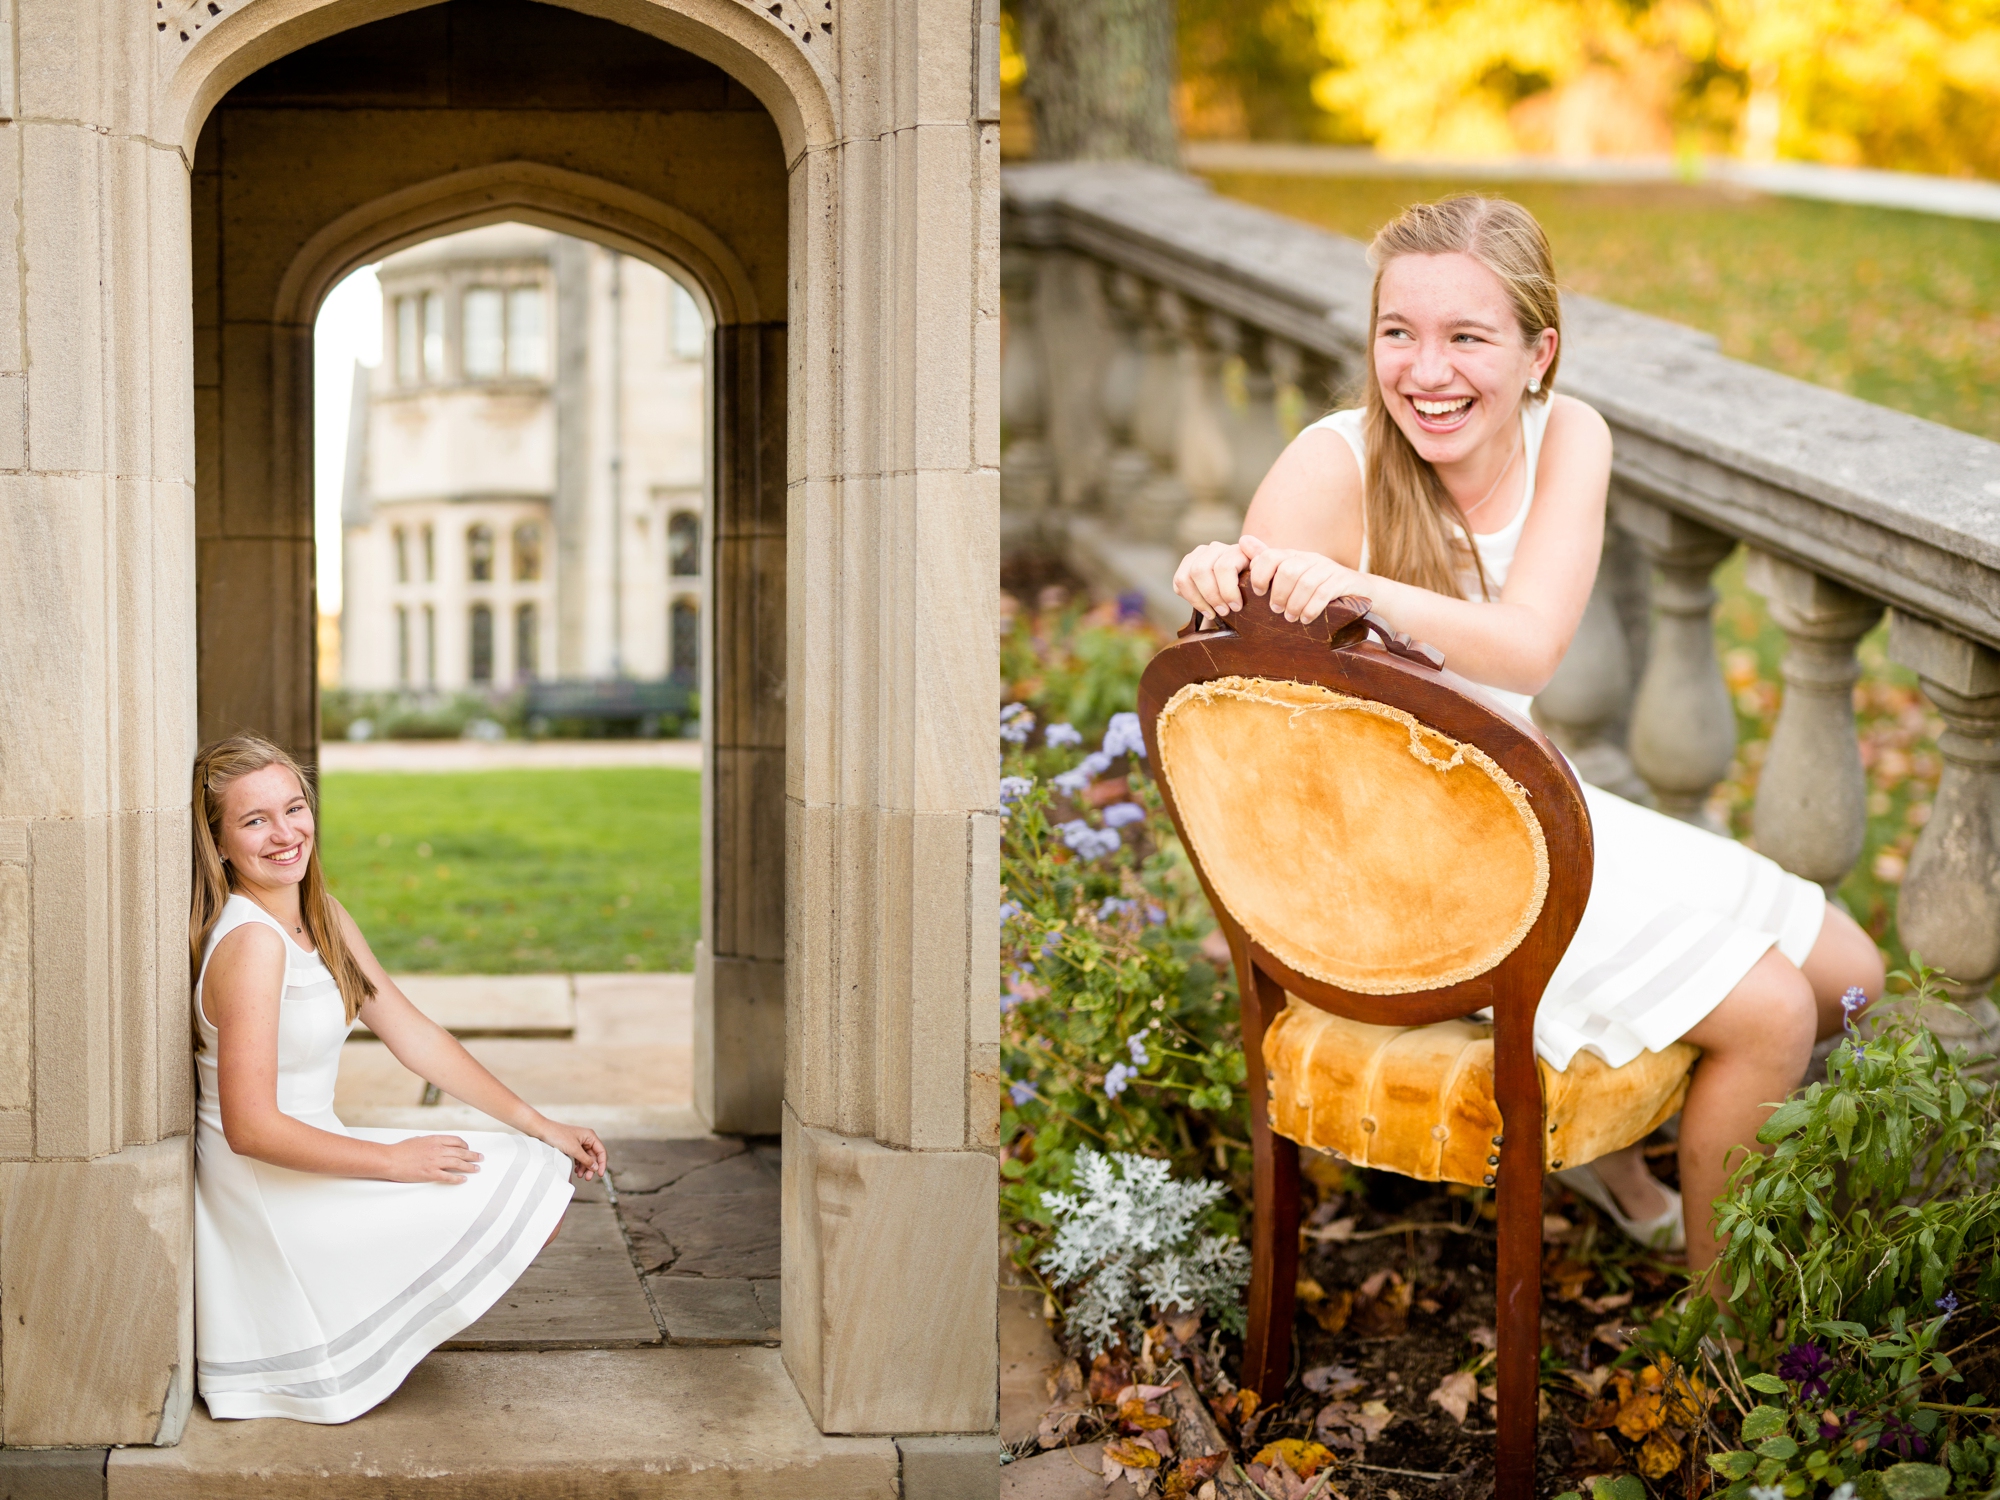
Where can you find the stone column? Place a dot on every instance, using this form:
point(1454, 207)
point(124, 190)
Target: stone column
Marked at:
point(1157, 506)
point(1683, 725)
point(739, 995)
point(1126, 467)
point(1258, 439)
point(1202, 446)
point(97, 671)
point(1590, 694)
point(1949, 913)
point(1027, 473)
point(1812, 797)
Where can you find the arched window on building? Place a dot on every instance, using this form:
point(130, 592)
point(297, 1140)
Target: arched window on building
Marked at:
point(430, 643)
point(481, 664)
point(687, 335)
point(484, 335)
point(526, 638)
point(479, 553)
point(684, 637)
point(527, 336)
point(527, 553)
point(401, 541)
point(430, 555)
point(402, 644)
point(684, 545)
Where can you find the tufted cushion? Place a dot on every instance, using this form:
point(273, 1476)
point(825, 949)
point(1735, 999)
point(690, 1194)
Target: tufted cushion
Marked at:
point(1353, 842)
point(1419, 1099)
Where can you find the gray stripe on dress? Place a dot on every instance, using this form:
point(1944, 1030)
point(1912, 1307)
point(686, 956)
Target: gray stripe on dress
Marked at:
point(1672, 975)
point(335, 1385)
point(381, 1315)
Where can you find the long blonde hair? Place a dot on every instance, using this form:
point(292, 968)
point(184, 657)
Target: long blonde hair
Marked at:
point(1414, 530)
point(215, 768)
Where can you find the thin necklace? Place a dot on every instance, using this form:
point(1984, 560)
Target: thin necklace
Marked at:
point(1506, 469)
point(299, 928)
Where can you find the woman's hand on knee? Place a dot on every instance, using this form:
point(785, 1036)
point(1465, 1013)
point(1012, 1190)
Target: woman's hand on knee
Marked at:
point(432, 1158)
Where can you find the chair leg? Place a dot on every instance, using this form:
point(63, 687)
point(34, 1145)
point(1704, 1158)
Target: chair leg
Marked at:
point(1274, 1225)
point(1519, 1330)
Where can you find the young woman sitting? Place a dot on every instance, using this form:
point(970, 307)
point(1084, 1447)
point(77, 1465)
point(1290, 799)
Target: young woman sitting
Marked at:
point(1466, 499)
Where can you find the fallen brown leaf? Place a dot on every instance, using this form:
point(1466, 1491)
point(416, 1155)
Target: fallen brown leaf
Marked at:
point(1331, 1380)
point(1659, 1456)
point(1456, 1393)
point(1130, 1453)
point(1308, 1291)
point(1567, 1279)
point(1485, 1338)
point(1335, 1311)
point(1303, 1458)
point(1109, 1374)
point(1381, 1306)
point(1611, 1302)
point(1375, 1417)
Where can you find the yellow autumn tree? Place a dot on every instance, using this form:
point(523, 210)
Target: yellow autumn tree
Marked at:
point(1913, 84)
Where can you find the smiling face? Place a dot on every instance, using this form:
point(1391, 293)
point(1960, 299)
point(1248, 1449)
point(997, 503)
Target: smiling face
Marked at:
point(267, 828)
point(1450, 354)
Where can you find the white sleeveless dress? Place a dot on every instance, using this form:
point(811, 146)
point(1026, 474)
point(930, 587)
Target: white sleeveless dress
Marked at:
point(316, 1295)
point(1676, 915)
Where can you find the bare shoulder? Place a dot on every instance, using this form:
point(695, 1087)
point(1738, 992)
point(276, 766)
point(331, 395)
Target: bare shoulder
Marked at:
point(1311, 498)
point(1576, 427)
point(247, 968)
point(253, 944)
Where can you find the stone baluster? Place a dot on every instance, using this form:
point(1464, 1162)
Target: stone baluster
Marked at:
point(1812, 796)
point(1202, 453)
point(1156, 508)
point(1949, 913)
point(1584, 703)
point(1126, 467)
point(1259, 438)
point(1683, 726)
point(1319, 379)
point(1027, 470)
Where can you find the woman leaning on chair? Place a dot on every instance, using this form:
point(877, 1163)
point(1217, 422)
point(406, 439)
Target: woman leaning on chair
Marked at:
point(1687, 935)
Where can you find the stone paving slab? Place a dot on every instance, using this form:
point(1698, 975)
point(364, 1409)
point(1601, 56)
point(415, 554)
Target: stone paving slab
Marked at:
point(635, 1424)
point(705, 1310)
point(1028, 1354)
point(1063, 1474)
point(519, 1005)
point(580, 1293)
point(715, 1218)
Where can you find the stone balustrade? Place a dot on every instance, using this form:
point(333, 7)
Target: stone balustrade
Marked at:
point(1164, 343)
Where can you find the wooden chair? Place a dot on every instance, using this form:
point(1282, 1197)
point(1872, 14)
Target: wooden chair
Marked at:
point(1387, 852)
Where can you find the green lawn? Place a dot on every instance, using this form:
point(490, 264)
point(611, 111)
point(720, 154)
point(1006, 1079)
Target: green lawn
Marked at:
point(507, 872)
point(1898, 308)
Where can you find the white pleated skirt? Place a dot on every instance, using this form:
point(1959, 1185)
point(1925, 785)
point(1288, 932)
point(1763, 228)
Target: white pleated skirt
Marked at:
point(1676, 917)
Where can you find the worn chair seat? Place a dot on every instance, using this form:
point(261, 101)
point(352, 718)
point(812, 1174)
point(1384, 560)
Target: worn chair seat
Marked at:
point(1419, 1100)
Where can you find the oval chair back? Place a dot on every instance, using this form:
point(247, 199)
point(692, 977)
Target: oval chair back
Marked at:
point(1381, 841)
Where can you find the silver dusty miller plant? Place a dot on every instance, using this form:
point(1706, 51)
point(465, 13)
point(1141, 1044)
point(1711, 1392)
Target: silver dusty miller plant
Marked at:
point(1132, 1239)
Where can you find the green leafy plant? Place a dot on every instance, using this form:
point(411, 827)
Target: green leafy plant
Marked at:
point(1118, 1029)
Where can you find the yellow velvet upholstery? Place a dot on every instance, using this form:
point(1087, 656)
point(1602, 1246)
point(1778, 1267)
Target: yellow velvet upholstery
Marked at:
point(1354, 843)
point(1419, 1099)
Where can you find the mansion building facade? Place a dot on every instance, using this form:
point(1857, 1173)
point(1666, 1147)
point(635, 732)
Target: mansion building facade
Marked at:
point(523, 493)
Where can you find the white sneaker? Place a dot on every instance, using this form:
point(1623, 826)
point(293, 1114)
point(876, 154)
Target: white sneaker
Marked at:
point(1666, 1232)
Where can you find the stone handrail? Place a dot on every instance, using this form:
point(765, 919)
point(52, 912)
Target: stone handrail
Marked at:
point(1158, 337)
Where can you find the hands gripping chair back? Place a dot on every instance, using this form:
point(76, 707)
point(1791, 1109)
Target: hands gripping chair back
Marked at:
point(1382, 844)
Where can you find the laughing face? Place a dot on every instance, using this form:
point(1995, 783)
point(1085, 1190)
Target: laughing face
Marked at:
point(1450, 355)
point(267, 828)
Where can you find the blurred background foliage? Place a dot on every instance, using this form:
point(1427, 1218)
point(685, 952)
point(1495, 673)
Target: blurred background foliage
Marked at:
point(1912, 85)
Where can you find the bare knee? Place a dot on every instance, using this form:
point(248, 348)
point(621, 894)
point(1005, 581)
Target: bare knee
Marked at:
point(1771, 1017)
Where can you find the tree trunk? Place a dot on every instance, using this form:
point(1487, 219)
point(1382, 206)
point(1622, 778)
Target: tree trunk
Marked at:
point(1100, 79)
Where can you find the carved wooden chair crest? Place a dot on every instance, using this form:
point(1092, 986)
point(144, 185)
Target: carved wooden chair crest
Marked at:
point(1388, 852)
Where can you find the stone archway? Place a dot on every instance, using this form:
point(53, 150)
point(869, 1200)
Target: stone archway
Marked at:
point(882, 268)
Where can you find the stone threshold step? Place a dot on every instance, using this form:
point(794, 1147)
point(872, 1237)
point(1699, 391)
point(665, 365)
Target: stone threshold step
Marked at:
point(630, 1423)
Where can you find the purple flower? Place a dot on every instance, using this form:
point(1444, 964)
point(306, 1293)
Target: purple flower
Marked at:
point(1114, 906)
point(1071, 783)
point(1131, 607)
point(1947, 1304)
point(1808, 1365)
point(1136, 1045)
point(1008, 911)
point(1009, 999)
point(1122, 736)
point(1058, 735)
point(1118, 814)
point(1155, 914)
point(1014, 788)
point(1118, 1080)
point(1021, 1091)
point(1851, 1004)
point(1016, 723)
point(1905, 1439)
point(1088, 842)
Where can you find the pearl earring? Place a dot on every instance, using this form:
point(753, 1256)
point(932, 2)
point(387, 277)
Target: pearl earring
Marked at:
point(1534, 384)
